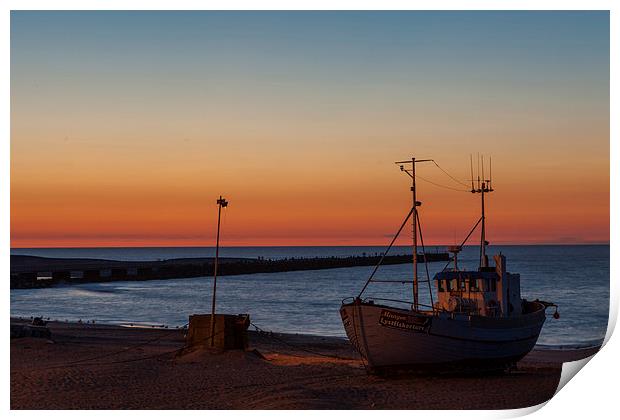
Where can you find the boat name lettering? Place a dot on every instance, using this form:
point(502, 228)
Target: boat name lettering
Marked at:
point(404, 322)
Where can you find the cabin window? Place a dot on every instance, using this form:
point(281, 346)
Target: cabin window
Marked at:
point(453, 285)
point(481, 285)
point(493, 285)
point(440, 287)
point(473, 287)
point(463, 285)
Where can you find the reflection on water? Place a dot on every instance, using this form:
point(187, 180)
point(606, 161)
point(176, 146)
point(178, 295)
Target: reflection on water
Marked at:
point(575, 277)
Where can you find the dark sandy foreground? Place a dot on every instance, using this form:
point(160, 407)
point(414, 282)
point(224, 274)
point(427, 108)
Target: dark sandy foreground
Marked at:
point(108, 367)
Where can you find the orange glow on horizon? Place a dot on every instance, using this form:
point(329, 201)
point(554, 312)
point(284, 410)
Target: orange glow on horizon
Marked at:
point(340, 209)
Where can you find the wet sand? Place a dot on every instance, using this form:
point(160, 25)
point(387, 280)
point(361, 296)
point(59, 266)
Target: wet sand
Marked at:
point(88, 366)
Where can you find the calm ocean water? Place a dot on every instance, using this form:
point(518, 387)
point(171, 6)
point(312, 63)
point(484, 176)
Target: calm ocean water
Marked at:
point(575, 277)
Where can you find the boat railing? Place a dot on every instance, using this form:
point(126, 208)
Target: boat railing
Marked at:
point(372, 299)
point(435, 310)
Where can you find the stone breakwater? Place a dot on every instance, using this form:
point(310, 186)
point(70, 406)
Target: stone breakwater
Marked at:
point(29, 272)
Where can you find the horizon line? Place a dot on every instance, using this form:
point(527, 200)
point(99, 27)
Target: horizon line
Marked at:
point(310, 246)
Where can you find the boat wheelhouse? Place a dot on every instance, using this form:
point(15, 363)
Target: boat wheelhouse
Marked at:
point(491, 291)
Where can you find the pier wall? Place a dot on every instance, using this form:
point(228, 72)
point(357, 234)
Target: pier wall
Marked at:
point(34, 272)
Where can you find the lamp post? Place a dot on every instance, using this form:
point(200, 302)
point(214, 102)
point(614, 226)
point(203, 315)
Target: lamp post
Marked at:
point(221, 202)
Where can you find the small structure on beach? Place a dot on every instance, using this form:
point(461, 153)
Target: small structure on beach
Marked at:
point(224, 332)
point(230, 332)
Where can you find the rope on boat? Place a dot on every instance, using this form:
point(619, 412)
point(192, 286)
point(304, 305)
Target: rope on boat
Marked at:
point(441, 185)
point(386, 252)
point(428, 276)
point(446, 172)
point(445, 186)
point(464, 240)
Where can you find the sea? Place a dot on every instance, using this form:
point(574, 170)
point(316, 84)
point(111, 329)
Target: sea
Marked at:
point(575, 277)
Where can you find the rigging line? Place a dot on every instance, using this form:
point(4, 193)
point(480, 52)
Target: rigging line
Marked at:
point(386, 251)
point(428, 276)
point(453, 178)
point(440, 185)
point(464, 240)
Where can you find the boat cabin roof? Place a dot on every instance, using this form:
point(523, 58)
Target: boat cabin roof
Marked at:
point(451, 275)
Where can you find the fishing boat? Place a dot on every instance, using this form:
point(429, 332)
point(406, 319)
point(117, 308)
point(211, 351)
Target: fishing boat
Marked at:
point(476, 320)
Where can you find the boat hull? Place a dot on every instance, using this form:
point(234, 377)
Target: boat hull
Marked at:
point(389, 337)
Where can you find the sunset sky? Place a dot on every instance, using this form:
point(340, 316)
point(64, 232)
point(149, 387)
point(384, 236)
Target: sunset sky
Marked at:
point(127, 126)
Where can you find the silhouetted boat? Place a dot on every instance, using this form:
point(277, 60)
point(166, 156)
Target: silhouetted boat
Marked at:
point(478, 321)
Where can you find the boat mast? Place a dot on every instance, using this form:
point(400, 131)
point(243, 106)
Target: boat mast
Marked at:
point(415, 224)
point(415, 237)
point(484, 186)
point(484, 262)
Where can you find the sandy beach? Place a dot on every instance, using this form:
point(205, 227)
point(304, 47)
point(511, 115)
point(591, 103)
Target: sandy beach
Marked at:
point(90, 366)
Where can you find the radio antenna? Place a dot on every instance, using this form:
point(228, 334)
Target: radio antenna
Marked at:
point(490, 177)
point(484, 187)
point(471, 169)
point(478, 171)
